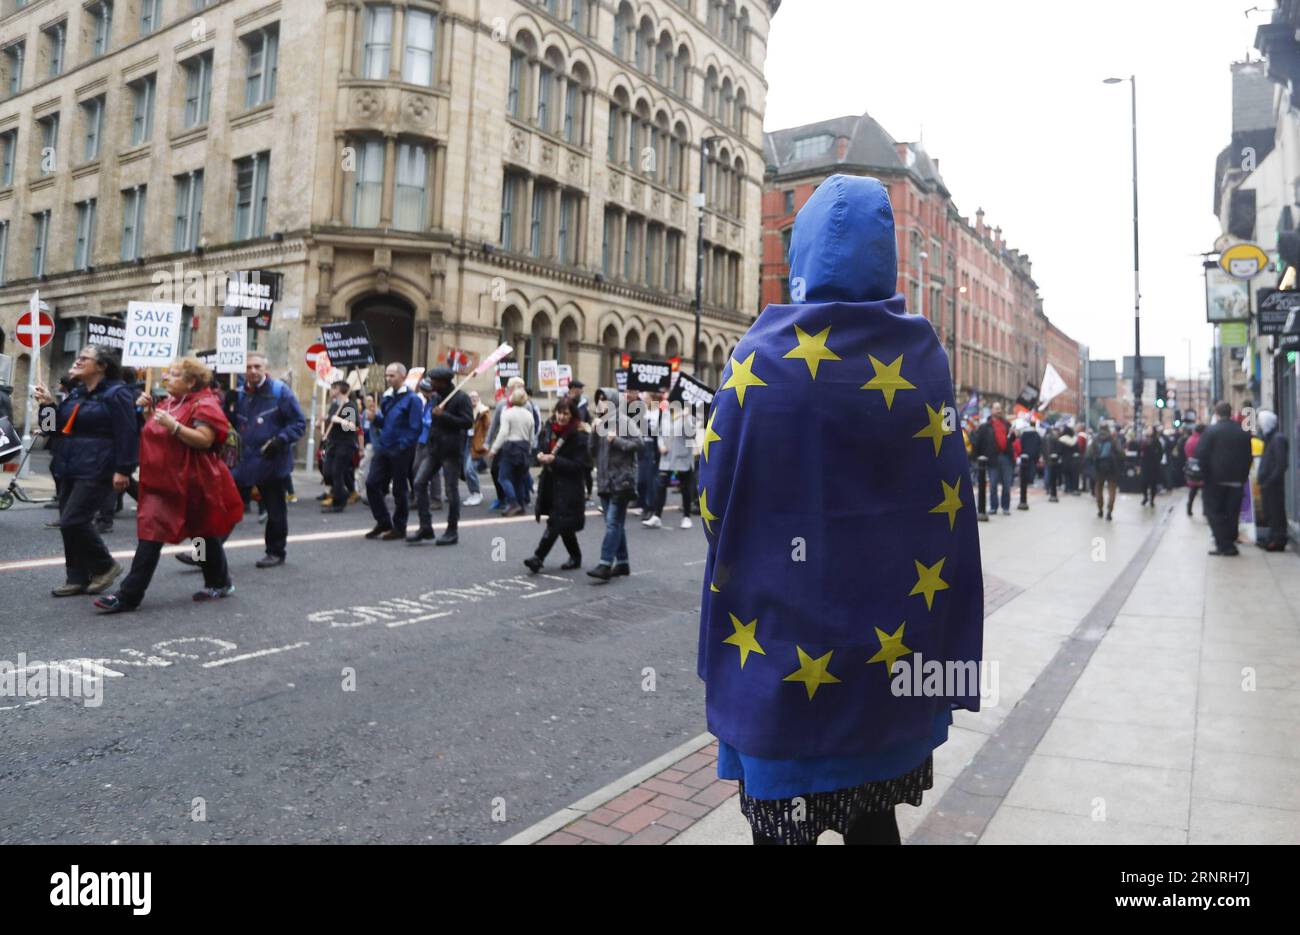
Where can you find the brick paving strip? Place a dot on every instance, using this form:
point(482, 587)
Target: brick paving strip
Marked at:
point(654, 804)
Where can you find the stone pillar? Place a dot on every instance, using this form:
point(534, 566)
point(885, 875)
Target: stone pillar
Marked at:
point(336, 209)
point(398, 45)
point(349, 55)
point(390, 163)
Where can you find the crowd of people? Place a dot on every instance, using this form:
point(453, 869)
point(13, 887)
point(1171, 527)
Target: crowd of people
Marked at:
point(1215, 461)
point(197, 457)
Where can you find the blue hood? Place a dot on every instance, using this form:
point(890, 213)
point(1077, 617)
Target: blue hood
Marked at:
point(843, 245)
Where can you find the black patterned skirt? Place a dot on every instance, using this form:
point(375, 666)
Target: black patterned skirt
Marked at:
point(833, 811)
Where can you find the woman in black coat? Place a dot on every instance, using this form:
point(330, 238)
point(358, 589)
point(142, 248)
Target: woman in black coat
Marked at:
point(561, 491)
point(1152, 451)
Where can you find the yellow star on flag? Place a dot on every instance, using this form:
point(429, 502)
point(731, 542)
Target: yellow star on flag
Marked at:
point(951, 501)
point(812, 348)
point(705, 515)
point(936, 429)
point(812, 672)
point(888, 379)
point(721, 575)
point(744, 638)
point(891, 647)
point(742, 377)
point(928, 581)
point(710, 436)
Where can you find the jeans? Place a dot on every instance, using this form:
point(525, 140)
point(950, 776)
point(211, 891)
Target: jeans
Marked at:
point(647, 470)
point(390, 465)
point(613, 548)
point(277, 516)
point(84, 553)
point(471, 472)
point(513, 472)
point(216, 573)
point(428, 468)
point(1000, 475)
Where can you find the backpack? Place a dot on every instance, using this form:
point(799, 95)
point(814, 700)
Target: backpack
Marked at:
point(230, 450)
point(1105, 451)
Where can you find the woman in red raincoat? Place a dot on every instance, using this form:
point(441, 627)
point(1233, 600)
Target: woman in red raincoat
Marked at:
point(186, 491)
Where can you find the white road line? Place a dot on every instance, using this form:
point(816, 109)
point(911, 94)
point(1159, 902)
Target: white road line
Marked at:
point(260, 541)
point(525, 597)
point(25, 704)
point(402, 623)
point(555, 577)
point(261, 652)
point(700, 562)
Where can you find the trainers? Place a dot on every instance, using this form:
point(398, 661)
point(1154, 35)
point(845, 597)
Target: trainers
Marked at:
point(68, 589)
point(326, 500)
point(269, 561)
point(99, 583)
point(112, 604)
point(474, 499)
point(291, 498)
point(214, 594)
point(652, 522)
point(354, 497)
point(686, 522)
point(496, 505)
point(322, 496)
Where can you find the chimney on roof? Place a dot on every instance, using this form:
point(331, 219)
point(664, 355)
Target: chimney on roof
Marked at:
point(841, 148)
point(935, 160)
point(997, 236)
point(979, 221)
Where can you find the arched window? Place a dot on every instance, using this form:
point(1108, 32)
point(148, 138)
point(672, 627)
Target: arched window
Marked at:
point(729, 24)
point(662, 146)
point(623, 32)
point(711, 90)
point(519, 83)
point(738, 114)
point(681, 68)
point(620, 110)
point(645, 44)
point(727, 104)
point(550, 82)
point(743, 37)
point(738, 188)
point(663, 58)
point(677, 158)
point(641, 155)
point(577, 94)
point(580, 16)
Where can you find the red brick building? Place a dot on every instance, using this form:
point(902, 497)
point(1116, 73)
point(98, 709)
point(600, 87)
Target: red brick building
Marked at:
point(1063, 354)
point(978, 293)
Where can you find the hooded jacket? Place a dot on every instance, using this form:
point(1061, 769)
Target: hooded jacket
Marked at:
point(814, 593)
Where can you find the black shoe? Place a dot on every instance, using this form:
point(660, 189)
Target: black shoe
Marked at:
point(448, 538)
point(621, 569)
point(1108, 514)
point(420, 535)
point(1099, 513)
point(534, 564)
point(572, 563)
point(392, 535)
point(323, 496)
point(185, 558)
point(269, 561)
point(113, 604)
point(601, 572)
point(378, 531)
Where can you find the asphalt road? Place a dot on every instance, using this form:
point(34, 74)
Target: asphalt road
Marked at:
point(364, 692)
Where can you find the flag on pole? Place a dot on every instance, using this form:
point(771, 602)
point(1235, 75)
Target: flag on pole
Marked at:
point(1053, 386)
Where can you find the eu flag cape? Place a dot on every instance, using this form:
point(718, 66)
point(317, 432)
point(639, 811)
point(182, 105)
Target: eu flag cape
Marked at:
point(843, 567)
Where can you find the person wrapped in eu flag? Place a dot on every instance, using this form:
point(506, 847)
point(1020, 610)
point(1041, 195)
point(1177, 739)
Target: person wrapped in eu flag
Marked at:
point(841, 621)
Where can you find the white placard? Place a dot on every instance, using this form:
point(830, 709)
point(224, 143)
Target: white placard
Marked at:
point(548, 376)
point(565, 377)
point(232, 344)
point(153, 333)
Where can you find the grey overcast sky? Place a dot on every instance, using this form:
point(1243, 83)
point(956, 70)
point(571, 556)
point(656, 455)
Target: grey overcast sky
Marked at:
point(1008, 94)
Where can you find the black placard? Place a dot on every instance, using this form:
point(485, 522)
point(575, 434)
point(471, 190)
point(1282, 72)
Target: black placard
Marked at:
point(620, 380)
point(1028, 396)
point(508, 369)
point(643, 374)
point(691, 391)
point(106, 332)
point(1274, 309)
point(348, 344)
point(206, 358)
point(253, 293)
point(9, 440)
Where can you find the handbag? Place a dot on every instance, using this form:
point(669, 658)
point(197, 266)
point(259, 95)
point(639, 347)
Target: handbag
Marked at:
point(1192, 469)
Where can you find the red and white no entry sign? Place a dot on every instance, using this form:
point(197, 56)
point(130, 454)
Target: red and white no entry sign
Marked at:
point(34, 334)
point(313, 352)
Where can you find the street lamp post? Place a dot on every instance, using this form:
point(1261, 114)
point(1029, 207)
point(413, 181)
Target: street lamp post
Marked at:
point(699, 246)
point(1137, 293)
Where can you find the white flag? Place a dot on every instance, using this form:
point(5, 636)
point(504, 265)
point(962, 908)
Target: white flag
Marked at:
point(1053, 386)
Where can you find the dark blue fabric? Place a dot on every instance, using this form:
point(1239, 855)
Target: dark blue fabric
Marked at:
point(400, 420)
point(784, 779)
point(271, 411)
point(818, 500)
point(105, 435)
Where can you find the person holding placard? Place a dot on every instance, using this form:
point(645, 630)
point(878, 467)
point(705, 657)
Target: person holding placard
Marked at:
point(186, 491)
point(269, 421)
point(99, 449)
point(340, 445)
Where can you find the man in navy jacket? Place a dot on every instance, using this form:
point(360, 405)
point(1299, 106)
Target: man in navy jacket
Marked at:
point(397, 426)
point(269, 420)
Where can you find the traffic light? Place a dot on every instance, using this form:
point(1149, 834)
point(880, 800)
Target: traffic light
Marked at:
point(1161, 389)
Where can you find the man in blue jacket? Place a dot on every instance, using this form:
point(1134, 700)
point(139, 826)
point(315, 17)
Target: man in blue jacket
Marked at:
point(397, 427)
point(269, 420)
